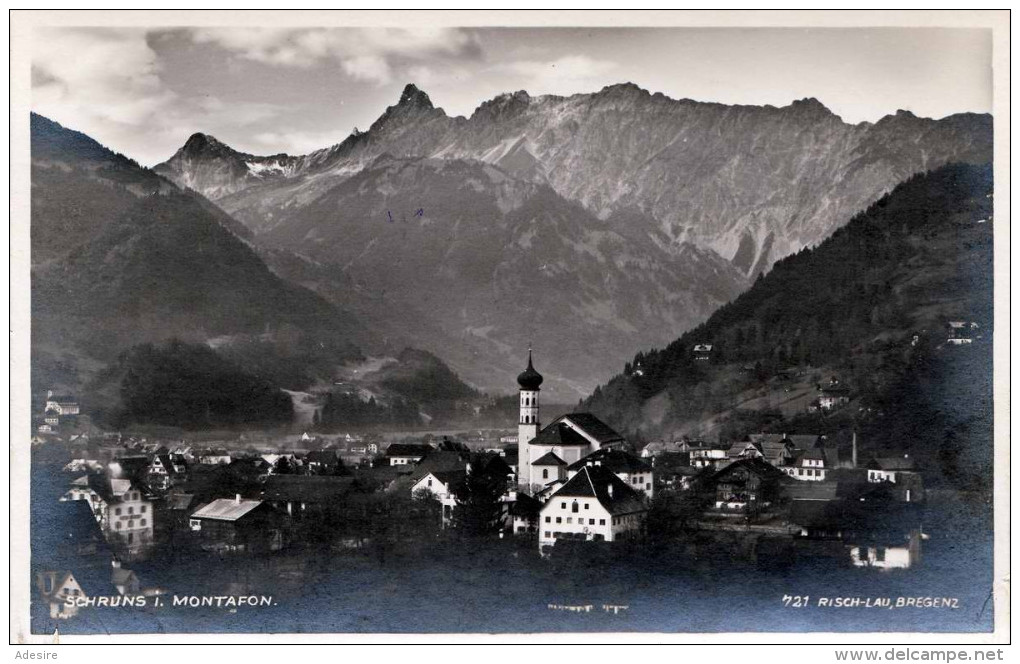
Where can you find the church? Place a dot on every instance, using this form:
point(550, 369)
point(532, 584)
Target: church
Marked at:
point(562, 443)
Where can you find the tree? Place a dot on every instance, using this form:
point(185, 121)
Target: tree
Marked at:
point(479, 510)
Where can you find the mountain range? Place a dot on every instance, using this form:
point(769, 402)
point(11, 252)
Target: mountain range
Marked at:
point(586, 225)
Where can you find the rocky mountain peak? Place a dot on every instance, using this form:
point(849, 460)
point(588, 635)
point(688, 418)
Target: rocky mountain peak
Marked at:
point(414, 98)
point(203, 144)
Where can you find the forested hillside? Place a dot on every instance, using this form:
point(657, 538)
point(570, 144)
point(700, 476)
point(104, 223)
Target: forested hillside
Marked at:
point(869, 306)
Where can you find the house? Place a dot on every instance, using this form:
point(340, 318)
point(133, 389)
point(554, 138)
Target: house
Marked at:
point(214, 458)
point(962, 332)
point(633, 471)
point(403, 454)
point(593, 505)
point(702, 352)
point(524, 514)
point(234, 524)
point(62, 404)
point(812, 465)
point(129, 519)
point(705, 455)
point(887, 469)
point(775, 452)
point(443, 486)
point(746, 486)
point(298, 495)
point(831, 398)
point(322, 462)
point(51, 417)
point(56, 587)
point(124, 580)
point(895, 556)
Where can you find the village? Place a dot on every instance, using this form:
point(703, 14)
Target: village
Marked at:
point(574, 482)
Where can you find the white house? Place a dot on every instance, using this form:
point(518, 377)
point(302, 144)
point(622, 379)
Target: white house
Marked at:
point(886, 469)
point(405, 454)
point(56, 587)
point(593, 505)
point(442, 485)
point(61, 404)
point(901, 556)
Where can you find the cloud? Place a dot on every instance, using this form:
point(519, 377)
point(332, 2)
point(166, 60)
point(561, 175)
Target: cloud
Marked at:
point(103, 74)
point(108, 83)
point(371, 68)
point(365, 54)
point(566, 75)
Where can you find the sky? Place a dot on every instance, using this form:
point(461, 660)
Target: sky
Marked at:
point(142, 92)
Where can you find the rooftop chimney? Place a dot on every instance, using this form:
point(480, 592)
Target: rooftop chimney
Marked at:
point(237, 499)
point(610, 490)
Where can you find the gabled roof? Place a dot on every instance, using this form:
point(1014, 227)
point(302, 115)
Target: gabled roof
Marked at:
point(327, 457)
point(892, 463)
point(594, 427)
point(754, 465)
point(306, 488)
point(451, 478)
point(600, 483)
point(226, 509)
point(179, 501)
point(559, 434)
point(617, 461)
point(549, 459)
point(407, 450)
point(441, 460)
point(525, 506)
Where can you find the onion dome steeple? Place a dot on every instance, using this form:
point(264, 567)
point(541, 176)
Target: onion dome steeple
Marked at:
point(529, 379)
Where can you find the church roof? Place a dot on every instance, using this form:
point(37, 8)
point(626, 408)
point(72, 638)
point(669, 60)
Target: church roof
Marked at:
point(559, 434)
point(595, 427)
point(529, 378)
point(549, 459)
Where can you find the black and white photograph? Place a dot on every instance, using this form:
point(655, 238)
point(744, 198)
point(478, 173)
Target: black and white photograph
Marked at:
point(548, 325)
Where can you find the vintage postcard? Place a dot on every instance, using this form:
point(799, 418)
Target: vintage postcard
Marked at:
point(601, 327)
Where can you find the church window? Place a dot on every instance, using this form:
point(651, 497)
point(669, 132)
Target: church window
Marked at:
point(545, 473)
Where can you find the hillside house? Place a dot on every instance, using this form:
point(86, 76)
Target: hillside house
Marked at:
point(812, 465)
point(593, 505)
point(887, 469)
point(214, 458)
point(776, 452)
point(962, 332)
point(702, 352)
point(322, 462)
point(62, 404)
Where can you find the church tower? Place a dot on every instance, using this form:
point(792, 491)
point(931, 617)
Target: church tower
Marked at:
point(528, 424)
